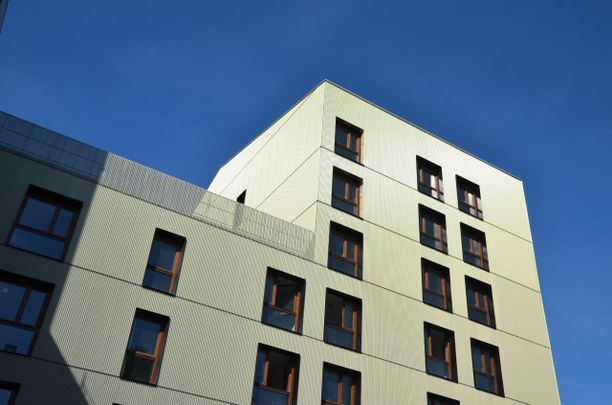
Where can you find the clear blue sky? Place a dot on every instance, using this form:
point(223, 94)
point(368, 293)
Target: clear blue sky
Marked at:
point(526, 85)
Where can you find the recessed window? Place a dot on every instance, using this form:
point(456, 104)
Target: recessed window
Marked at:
point(241, 198)
point(474, 247)
point(340, 386)
point(145, 349)
point(480, 302)
point(487, 368)
point(8, 392)
point(345, 192)
point(433, 229)
point(276, 377)
point(348, 140)
point(345, 250)
point(164, 263)
point(430, 179)
point(436, 285)
point(45, 223)
point(440, 352)
point(342, 320)
point(23, 303)
point(433, 399)
point(468, 195)
point(283, 300)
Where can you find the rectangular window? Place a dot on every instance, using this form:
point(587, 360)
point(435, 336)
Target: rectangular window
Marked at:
point(282, 305)
point(480, 302)
point(348, 140)
point(342, 320)
point(468, 196)
point(241, 198)
point(436, 285)
point(45, 223)
point(430, 179)
point(164, 263)
point(433, 399)
point(487, 368)
point(23, 303)
point(440, 352)
point(474, 247)
point(345, 250)
point(433, 229)
point(8, 393)
point(276, 377)
point(341, 386)
point(145, 348)
point(345, 192)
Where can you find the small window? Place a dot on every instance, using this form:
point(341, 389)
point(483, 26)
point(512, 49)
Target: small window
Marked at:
point(433, 399)
point(23, 303)
point(45, 223)
point(430, 179)
point(468, 195)
point(241, 198)
point(348, 140)
point(276, 377)
point(340, 386)
point(440, 352)
point(436, 285)
point(8, 393)
point(345, 250)
point(145, 349)
point(164, 263)
point(474, 247)
point(487, 368)
point(342, 320)
point(345, 192)
point(433, 229)
point(480, 302)
point(283, 299)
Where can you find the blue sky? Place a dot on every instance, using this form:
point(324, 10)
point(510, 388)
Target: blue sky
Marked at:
point(526, 85)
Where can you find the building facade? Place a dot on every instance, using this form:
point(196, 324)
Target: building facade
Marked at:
point(344, 256)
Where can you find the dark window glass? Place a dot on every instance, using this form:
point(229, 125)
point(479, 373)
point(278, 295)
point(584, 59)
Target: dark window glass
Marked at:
point(276, 377)
point(430, 179)
point(345, 250)
point(145, 349)
point(22, 306)
point(468, 196)
point(283, 301)
point(474, 247)
point(340, 386)
point(480, 302)
point(440, 352)
point(345, 192)
point(164, 263)
point(342, 320)
point(436, 285)
point(348, 140)
point(45, 223)
point(487, 368)
point(8, 393)
point(433, 399)
point(432, 229)
point(242, 197)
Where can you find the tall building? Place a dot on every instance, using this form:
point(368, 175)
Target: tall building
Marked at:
point(344, 256)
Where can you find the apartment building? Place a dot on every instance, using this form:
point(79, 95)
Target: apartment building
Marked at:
point(344, 256)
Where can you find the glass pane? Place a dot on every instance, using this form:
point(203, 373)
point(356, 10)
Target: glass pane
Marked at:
point(37, 214)
point(5, 395)
point(33, 307)
point(477, 315)
point(484, 382)
point(15, 340)
point(286, 291)
point(343, 205)
point(162, 255)
point(144, 336)
point(62, 225)
point(476, 358)
point(354, 141)
point(259, 366)
point(281, 319)
point(333, 310)
point(330, 385)
point(348, 315)
point(270, 278)
point(433, 299)
point(137, 368)
point(338, 337)
point(338, 186)
point(435, 281)
point(437, 344)
point(336, 243)
point(279, 367)
point(352, 192)
point(11, 296)
point(346, 153)
point(37, 243)
point(157, 281)
point(341, 265)
point(341, 135)
point(437, 367)
point(262, 396)
point(471, 296)
point(346, 392)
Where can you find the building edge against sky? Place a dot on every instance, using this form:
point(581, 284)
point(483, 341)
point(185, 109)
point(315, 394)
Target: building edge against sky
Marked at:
point(215, 313)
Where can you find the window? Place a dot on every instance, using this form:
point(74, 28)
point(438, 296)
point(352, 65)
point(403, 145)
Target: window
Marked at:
point(348, 140)
point(164, 263)
point(468, 195)
point(342, 320)
point(440, 352)
point(433, 399)
point(345, 250)
point(341, 386)
point(23, 303)
point(45, 223)
point(8, 392)
point(433, 229)
point(145, 348)
point(487, 370)
point(474, 247)
point(276, 377)
point(436, 285)
point(283, 301)
point(345, 192)
point(241, 198)
point(430, 179)
point(480, 302)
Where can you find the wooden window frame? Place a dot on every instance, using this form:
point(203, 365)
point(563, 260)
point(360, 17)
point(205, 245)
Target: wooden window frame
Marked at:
point(439, 221)
point(494, 362)
point(292, 378)
point(13, 388)
point(435, 399)
point(353, 131)
point(357, 238)
point(477, 246)
point(355, 318)
point(60, 202)
point(428, 266)
point(424, 165)
point(349, 180)
point(355, 388)
point(298, 299)
point(469, 188)
point(483, 296)
point(30, 285)
point(449, 351)
point(174, 273)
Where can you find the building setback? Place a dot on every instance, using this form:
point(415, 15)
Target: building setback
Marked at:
point(344, 256)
